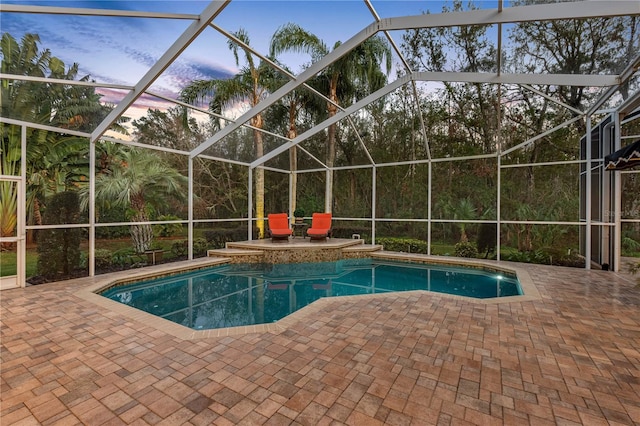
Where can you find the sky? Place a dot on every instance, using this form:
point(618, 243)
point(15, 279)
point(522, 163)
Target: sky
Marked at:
point(121, 50)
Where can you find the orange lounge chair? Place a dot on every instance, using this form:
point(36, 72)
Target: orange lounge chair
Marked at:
point(279, 226)
point(320, 226)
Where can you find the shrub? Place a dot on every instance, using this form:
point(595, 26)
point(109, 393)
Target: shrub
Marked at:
point(59, 249)
point(465, 249)
point(531, 256)
point(200, 246)
point(218, 237)
point(180, 248)
point(487, 239)
point(168, 229)
point(110, 215)
point(630, 244)
point(122, 257)
point(406, 245)
point(103, 258)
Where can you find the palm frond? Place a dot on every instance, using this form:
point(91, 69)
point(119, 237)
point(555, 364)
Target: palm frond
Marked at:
point(293, 38)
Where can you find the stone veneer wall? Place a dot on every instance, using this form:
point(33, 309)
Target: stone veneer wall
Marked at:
point(294, 254)
point(254, 258)
point(356, 254)
point(302, 256)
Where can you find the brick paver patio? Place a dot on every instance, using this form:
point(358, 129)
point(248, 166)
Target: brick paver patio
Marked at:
point(571, 357)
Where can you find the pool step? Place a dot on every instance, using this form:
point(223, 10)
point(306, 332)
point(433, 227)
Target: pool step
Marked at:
point(238, 255)
point(360, 251)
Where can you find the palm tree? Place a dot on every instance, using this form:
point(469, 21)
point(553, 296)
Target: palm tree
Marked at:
point(138, 182)
point(53, 160)
point(287, 111)
point(462, 210)
point(17, 100)
point(359, 69)
point(250, 84)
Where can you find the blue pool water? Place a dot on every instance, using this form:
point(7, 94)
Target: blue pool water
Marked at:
point(246, 294)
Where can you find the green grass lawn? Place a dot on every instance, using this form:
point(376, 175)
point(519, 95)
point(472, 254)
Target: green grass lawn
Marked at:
point(8, 263)
point(8, 258)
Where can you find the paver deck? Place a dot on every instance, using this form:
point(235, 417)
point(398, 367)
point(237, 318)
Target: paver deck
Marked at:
point(570, 357)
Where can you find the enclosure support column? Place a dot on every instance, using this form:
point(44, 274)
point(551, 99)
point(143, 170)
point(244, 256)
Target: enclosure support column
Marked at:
point(429, 211)
point(587, 212)
point(250, 205)
point(21, 223)
point(373, 205)
point(190, 206)
point(92, 209)
point(190, 319)
point(498, 201)
point(498, 150)
point(617, 193)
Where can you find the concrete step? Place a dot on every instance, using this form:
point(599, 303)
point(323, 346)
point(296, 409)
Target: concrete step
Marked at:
point(238, 255)
point(367, 248)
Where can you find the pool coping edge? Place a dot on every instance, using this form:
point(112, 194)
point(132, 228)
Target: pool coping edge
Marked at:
point(90, 294)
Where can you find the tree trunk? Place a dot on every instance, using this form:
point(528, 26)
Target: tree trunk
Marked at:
point(37, 216)
point(141, 235)
point(293, 155)
point(37, 220)
point(352, 188)
point(331, 143)
point(463, 235)
point(259, 146)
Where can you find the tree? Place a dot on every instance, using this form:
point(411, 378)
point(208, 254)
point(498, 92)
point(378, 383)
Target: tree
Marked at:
point(251, 85)
point(356, 72)
point(139, 182)
point(585, 46)
point(463, 209)
point(55, 162)
point(59, 249)
point(578, 46)
point(18, 100)
point(217, 186)
point(472, 125)
point(298, 107)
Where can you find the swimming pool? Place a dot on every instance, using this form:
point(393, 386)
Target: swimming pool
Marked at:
point(245, 294)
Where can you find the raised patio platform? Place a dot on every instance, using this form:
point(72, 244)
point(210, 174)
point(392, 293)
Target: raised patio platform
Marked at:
point(295, 250)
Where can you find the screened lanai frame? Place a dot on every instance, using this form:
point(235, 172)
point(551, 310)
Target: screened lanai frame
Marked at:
point(500, 16)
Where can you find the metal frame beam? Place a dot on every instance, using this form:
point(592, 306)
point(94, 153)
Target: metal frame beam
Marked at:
point(52, 10)
point(303, 77)
point(508, 15)
point(49, 80)
point(340, 115)
point(591, 80)
point(209, 13)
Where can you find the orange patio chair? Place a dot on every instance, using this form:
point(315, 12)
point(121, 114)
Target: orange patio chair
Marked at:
point(279, 226)
point(320, 226)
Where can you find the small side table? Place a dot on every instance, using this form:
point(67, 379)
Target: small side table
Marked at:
point(299, 228)
point(153, 256)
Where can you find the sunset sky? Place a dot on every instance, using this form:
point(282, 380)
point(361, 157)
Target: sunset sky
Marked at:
point(121, 50)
